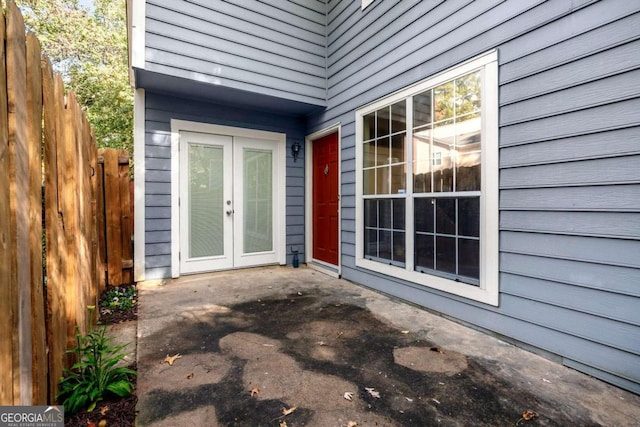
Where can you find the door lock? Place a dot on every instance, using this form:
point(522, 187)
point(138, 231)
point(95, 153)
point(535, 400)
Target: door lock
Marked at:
point(230, 212)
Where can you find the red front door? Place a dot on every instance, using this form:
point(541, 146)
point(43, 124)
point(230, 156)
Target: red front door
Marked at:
point(325, 199)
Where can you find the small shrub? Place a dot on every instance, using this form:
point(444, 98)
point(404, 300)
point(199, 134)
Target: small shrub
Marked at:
point(95, 374)
point(120, 298)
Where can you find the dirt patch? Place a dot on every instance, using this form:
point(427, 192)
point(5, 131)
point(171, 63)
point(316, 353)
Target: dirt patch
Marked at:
point(308, 351)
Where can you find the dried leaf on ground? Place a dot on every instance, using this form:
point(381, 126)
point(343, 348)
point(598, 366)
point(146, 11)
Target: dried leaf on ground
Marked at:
point(321, 343)
point(104, 410)
point(283, 423)
point(91, 424)
point(254, 391)
point(526, 416)
point(372, 391)
point(352, 424)
point(348, 395)
point(171, 359)
point(291, 410)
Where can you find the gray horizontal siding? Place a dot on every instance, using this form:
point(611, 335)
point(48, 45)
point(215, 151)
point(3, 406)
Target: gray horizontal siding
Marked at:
point(160, 109)
point(597, 198)
point(619, 142)
point(274, 48)
point(580, 173)
point(593, 224)
point(569, 159)
point(620, 280)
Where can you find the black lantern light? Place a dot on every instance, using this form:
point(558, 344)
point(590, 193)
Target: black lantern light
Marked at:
point(295, 150)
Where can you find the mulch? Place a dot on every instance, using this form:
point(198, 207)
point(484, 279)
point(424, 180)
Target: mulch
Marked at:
point(120, 412)
point(113, 316)
point(115, 411)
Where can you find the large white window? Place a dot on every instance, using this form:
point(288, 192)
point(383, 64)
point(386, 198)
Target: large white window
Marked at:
point(427, 182)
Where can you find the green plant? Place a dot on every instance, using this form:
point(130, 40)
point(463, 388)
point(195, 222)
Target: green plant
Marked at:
point(95, 374)
point(121, 298)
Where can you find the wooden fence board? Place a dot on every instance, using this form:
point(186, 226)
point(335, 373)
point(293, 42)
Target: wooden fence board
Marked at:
point(34, 118)
point(6, 302)
point(68, 202)
point(55, 242)
point(112, 215)
point(19, 187)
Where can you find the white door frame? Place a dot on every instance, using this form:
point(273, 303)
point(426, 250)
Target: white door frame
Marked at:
point(308, 210)
point(280, 178)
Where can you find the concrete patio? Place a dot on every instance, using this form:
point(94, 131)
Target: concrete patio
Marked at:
point(254, 342)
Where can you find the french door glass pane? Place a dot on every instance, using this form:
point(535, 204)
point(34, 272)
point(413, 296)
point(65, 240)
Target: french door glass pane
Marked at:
point(206, 236)
point(258, 201)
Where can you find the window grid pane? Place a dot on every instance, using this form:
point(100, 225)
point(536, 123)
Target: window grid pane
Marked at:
point(385, 230)
point(447, 237)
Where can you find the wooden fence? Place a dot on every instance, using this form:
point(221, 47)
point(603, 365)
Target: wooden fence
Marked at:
point(71, 219)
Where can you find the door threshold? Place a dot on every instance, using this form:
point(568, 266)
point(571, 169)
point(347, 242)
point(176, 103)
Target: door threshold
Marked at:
point(326, 268)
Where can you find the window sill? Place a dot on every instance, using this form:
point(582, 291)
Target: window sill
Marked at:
point(484, 294)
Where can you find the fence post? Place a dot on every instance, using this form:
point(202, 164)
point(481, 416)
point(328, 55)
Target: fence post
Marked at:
point(101, 221)
point(125, 216)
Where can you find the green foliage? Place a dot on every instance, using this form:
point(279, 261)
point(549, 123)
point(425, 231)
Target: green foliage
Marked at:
point(88, 47)
point(120, 298)
point(95, 374)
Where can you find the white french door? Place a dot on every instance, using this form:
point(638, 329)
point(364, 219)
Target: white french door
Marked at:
point(229, 205)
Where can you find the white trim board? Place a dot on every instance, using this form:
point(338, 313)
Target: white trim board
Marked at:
point(138, 28)
point(139, 231)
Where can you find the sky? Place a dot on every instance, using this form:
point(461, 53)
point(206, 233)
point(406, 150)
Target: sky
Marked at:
point(87, 3)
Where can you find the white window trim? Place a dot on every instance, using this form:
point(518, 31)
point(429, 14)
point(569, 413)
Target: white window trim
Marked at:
point(366, 3)
point(488, 291)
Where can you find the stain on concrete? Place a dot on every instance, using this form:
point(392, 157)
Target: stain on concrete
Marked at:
point(307, 351)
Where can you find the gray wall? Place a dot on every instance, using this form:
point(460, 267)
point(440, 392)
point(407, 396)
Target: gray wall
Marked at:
point(569, 159)
point(272, 47)
point(160, 109)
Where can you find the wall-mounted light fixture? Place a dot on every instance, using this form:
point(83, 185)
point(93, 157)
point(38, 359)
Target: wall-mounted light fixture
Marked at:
point(295, 150)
